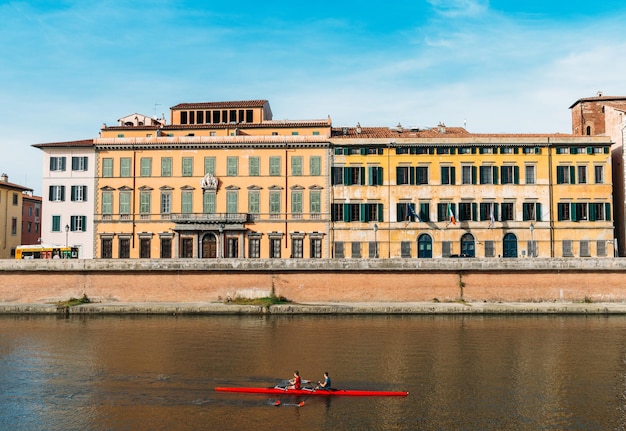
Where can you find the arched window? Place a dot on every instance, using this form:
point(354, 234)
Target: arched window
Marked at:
point(209, 246)
point(588, 130)
point(424, 246)
point(468, 245)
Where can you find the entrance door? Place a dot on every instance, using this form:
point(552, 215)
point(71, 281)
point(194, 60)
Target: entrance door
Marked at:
point(468, 246)
point(509, 245)
point(209, 246)
point(424, 246)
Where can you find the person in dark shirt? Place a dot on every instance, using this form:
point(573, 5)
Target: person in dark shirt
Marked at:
point(325, 385)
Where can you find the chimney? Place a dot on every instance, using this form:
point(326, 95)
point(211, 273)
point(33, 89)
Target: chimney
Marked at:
point(442, 128)
point(4, 178)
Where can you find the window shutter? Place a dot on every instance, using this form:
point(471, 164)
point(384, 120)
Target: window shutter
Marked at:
point(362, 176)
point(559, 174)
point(346, 151)
point(538, 211)
point(379, 212)
point(572, 174)
point(473, 150)
point(516, 150)
point(84, 193)
point(572, 212)
point(412, 175)
point(516, 174)
point(346, 212)
point(474, 174)
point(482, 176)
point(474, 211)
point(592, 212)
point(362, 151)
point(347, 178)
point(83, 223)
point(496, 212)
point(380, 151)
point(607, 211)
point(453, 175)
point(589, 150)
point(399, 211)
point(62, 193)
point(380, 176)
point(495, 175)
point(362, 213)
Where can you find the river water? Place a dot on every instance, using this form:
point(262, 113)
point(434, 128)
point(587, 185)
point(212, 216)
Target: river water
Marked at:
point(462, 372)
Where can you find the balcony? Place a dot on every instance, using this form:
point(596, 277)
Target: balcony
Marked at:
point(209, 218)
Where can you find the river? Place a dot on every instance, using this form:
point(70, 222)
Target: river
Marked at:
point(463, 372)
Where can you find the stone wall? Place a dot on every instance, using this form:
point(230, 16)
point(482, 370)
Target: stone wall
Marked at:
point(345, 280)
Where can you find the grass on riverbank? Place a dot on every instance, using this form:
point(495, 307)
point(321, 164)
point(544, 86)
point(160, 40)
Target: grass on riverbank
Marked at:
point(74, 301)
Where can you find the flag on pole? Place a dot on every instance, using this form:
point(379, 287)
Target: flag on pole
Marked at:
point(451, 215)
point(492, 219)
point(412, 212)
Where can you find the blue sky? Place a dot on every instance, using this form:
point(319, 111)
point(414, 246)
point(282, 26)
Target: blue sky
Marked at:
point(499, 66)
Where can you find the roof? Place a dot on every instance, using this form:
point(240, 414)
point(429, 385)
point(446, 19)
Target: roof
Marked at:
point(397, 132)
point(81, 143)
point(599, 99)
point(214, 105)
point(14, 186)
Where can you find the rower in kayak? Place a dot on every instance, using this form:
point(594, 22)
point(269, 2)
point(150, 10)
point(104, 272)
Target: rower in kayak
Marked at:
point(325, 385)
point(296, 382)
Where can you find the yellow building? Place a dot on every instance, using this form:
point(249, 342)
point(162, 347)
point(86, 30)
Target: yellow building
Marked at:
point(222, 180)
point(11, 199)
point(444, 192)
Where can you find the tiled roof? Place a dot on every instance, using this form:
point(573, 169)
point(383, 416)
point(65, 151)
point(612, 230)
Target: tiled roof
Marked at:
point(81, 143)
point(14, 186)
point(214, 105)
point(434, 132)
point(599, 99)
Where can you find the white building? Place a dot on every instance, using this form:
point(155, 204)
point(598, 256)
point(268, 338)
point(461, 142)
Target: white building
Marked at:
point(68, 195)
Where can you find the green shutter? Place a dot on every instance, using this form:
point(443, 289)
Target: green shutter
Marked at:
point(412, 175)
point(474, 211)
point(363, 151)
point(572, 212)
point(380, 151)
point(607, 211)
point(589, 150)
point(538, 211)
point(346, 212)
point(474, 174)
point(453, 175)
point(347, 177)
point(380, 176)
point(592, 212)
point(495, 175)
point(572, 174)
point(516, 174)
point(379, 212)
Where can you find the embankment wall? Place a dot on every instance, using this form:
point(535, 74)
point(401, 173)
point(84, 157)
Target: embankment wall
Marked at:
point(346, 280)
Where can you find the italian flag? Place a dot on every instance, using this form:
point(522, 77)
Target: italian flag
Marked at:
point(451, 214)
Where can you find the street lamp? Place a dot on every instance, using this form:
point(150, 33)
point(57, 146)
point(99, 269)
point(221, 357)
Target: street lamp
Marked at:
point(67, 231)
point(375, 241)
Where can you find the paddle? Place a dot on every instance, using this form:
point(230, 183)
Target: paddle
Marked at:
point(301, 403)
point(277, 403)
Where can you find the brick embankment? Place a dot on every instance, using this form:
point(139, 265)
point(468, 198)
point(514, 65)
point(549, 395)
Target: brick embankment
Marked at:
point(374, 308)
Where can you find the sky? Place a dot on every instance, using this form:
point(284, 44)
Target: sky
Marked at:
point(492, 66)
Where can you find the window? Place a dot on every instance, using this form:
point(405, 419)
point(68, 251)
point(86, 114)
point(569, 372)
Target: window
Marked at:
point(232, 163)
point(57, 163)
point(146, 166)
point(232, 202)
point(316, 248)
point(125, 204)
point(106, 248)
point(565, 174)
point(124, 248)
point(599, 211)
point(208, 203)
point(315, 201)
point(14, 226)
point(375, 176)
point(57, 193)
point(254, 246)
point(107, 168)
point(78, 223)
point(254, 166)
point(465, 211)
point(563, 211)
point(585, 249)
point(598, 174)
point(448, 174)
point(107, 203)
point(339, 247)
point(166, 166)
point(403, 175)
point(209, 165)
point(579, 211)
point(144, 248)
point(166, 248)
point(337, 212)
point(144, 203)
point(405, 249)
point(487, 210)
point(421, 175)
point(488, 174)
point(15, 199)
point(274, 203)
point(56, 223)
point(125, 167)
point(337, 175)
point(79, 163)
point(567, 248)
point(531, 211)
point(507, 174)
point(372, 212)
point(601, 248)
point(187, 202)
point(490, 249)
point(296, 166)
point(508, 211)
point(166, 202)
point(316, 165)
point(254, 201)
point(297, 247)
point(275, 166)
point(187, 166)
point(275, 248)
point(468, 174)
point(356, 175)
point(79, 193)
point(582, 174)
point(530, 174)
point(296, 202)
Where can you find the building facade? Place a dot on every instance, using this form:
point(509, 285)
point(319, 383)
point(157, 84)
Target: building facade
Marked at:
point(69, 188)
point(11, 202)
point(31, 219)
point(225, 180)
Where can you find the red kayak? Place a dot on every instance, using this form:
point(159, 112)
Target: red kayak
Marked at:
point(321, 392)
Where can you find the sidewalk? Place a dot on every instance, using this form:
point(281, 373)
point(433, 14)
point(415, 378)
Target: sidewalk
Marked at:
point(218, 308)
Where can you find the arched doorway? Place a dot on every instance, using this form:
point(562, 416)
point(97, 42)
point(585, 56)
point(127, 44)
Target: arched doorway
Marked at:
point(509, 245)
point(209, 246)
point(424, 246)
point(468, 245)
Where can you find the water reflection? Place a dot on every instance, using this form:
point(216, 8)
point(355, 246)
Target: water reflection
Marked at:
point(463, 372)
